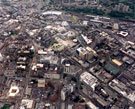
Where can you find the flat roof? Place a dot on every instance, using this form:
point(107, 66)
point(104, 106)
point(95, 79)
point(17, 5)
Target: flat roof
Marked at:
point(41, 83)
point(28, 103)
point(13, 91)
point(52, 12)
point(116, 62)
point(89, 79)
point(111, 68)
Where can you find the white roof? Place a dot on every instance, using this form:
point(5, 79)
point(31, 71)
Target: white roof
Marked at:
point(64, 23)
point(52, 12)
point(91, 105)
point(115, 84)
point(89, 79)
point(14, 90)
point(82, 50)
point(85, 22)
point(34, 67)
point(75, 40)
point(90, 49)
point(52, 76)
point(21, 66)
point(132, 43)
point(28, 103)
point(61, 29)
point(41, 52)
point(22, 58)
point(1, 57)
point(40, 65)
point(88, 41)
point(123, 33)
point(11, 21)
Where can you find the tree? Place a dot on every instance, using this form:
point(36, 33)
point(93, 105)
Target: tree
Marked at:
point(73, 79)
point(81, 87)
point(6, 106)
point(64, 75)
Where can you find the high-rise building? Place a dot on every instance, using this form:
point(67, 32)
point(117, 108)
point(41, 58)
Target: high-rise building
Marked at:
point(85, 54)
point(67, 89)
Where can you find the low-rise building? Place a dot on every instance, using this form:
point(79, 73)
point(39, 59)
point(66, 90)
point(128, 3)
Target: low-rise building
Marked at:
point(13, 91)
point(1, 57)
point(51, 76)
point(41, 83)
point(129, 50)
point(27, 104)
point(122, 34)
point(123, 89)
point(90, 105)
point(117, 62)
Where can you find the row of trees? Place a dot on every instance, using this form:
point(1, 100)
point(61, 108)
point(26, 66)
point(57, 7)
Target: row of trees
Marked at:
point(95, 11)
point(121, 14)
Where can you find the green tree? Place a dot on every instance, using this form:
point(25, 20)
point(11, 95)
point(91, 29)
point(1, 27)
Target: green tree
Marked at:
point(6, 107)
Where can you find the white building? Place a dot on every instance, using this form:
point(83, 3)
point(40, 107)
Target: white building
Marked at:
point(13, 91)
point(85, 38)
point(122, 89)
point(23, 67)
point(27, 104)
point(89, 79)
point(64, 23)
point(91, 105)
point(41, 52)
point(58, 13)
point(52, 76)
point(122, 33)
point(1, 57)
